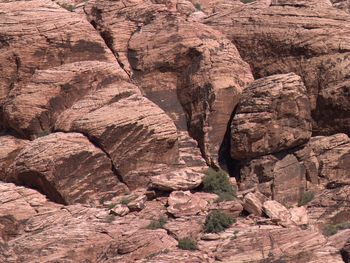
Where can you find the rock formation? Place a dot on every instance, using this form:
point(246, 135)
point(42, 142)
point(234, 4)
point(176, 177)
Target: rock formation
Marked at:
point(289, 36)
point(111, 113)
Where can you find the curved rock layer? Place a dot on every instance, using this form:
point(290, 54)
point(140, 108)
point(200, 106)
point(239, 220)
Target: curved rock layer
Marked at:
point(33, 108)
point(190, 70)
point(33, 39)
point(89, 93)
point(308, 38)
point(67, 168)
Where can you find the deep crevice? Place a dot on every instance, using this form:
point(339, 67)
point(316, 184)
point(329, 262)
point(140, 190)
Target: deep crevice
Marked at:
point(225, 160)
point(37, 181)
point(105, 34)
point(95, 142)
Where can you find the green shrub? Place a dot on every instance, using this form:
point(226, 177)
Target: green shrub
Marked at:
point(247, 1)
point(198, 6)
point(68, 7)
point(111, 206)
point(306, 198)
point(159, 223)
point(125, 201)
point(218, 182)
point(332, 229)
point(217, 221)
point(187, 243)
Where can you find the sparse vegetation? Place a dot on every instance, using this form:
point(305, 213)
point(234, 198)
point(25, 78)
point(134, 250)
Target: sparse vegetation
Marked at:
point(218, 182)
point(68, 7)
point(158, 223)
point(306, 198)
point(217, 221)
point(125, 201)
point(198, 6)
point(332, 229)
point(247, 1)
point(111, 206)
point(234, 236)
point(187, 243)
point(110, 218)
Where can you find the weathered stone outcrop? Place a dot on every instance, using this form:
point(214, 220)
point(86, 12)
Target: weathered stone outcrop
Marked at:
point(33, 107)
point(185, 204)
point(190, 70)
point(138, 245)
point(32, 40)
point(275, 245)
point(31, 226)
point(331, 206)
point(309, 38)
point(273, 115)
point(67, 168)
point(333, 155)
point(136, 133)
point(201, 74)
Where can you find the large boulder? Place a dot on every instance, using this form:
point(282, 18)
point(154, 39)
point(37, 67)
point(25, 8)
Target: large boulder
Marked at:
point(185, 204)
point(310, 38)
point(139, 137)
point(68, 168)
point(272, 115)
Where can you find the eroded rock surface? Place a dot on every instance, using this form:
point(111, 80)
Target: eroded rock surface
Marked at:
point(273, 115)
point(195, 79)
point(68, 168)
point(289, 36)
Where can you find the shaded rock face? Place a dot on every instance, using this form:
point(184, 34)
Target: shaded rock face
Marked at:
point(67, 168)
point(331, 206)
point(202, 73)
point(273, 115)
point(285, 177)
point(190, 70)
point(9, 148)
point(289, 37)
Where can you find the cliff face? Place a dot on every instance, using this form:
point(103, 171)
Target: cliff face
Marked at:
point(112, 112)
